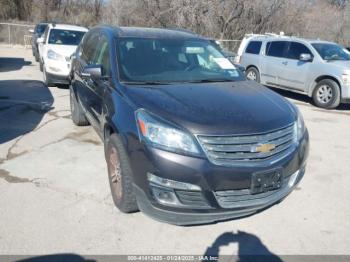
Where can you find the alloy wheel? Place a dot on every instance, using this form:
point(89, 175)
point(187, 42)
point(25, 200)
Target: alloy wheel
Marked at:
point(114, 172)
point(324, 94)
point(72, 102)
point(251, 75)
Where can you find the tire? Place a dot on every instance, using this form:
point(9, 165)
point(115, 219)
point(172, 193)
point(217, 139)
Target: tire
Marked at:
point(36, 55)
point(326, 94)
point(252, 73)
point(120, 175)
point(46, 78)
point(77, 113)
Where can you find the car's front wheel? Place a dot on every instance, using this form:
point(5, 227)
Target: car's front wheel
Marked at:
point(327, 94)
point(41, 65)
point(46, 77)
point(253, 74)
point(78, 116)
point(120, 175)
point(36, 55)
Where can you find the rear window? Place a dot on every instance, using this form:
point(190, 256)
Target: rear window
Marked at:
point(40, 29)
point(253, 47)
point(276, 48)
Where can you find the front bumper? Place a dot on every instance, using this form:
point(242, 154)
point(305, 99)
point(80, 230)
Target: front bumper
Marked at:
point(216, 182)
point(58, 79)
point(345, 94)
point(59, 70)
point(216, 215)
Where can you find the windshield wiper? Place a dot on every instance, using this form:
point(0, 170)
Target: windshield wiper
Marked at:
point(211, 80)
point(145, 83)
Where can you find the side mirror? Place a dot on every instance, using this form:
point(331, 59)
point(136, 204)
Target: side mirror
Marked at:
point(73, 56)
point(31, 31)
point(92, 71)
point(40, 40)
point(305, 57)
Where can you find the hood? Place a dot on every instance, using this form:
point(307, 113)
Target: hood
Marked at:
point(343, 65)
point(65, 50)
point(243, 107)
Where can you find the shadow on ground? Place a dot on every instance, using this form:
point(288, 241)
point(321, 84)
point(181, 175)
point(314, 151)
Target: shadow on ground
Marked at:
point(12, 63)
point(250, 247)
point(56, 258)
point(305, 98)
point(23, 104)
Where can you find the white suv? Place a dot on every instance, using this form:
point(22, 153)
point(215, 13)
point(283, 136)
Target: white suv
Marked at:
point(315, 68)
point(56, 46)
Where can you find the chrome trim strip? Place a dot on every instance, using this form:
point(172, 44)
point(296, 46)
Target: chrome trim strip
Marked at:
point(237, 150)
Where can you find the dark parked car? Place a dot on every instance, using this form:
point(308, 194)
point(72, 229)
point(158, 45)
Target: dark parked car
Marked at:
point(37, 33)
point(187, 139)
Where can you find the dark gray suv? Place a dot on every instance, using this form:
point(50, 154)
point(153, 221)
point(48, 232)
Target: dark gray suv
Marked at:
point(187, 138)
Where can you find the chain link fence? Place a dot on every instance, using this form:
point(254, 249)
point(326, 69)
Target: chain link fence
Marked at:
point(15, 34)
point(230, 45)
point(18, 34)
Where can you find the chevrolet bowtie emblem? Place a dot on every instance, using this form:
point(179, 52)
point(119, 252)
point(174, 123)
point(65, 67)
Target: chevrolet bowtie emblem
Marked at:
point(264, 148)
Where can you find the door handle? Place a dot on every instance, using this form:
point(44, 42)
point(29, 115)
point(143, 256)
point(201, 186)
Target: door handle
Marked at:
point(285, 62)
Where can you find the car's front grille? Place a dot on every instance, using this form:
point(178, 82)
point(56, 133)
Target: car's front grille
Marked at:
point(243, 197)
point(230, 150)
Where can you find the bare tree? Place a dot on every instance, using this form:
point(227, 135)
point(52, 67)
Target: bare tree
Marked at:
point(231, 19)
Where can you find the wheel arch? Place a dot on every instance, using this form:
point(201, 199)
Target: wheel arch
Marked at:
point(250, 66)
point(323, 77)
point(109, 129)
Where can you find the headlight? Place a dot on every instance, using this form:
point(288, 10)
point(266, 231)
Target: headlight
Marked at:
point(346, 79)
point(299, 126)
point(171, 183)
point(54, 56)
point(163, 135)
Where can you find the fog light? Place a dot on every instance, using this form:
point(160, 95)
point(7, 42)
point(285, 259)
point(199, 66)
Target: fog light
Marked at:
point(165, 196)
point(293, 179)
point(171, 183)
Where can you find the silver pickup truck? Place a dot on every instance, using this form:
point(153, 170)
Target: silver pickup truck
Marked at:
point(315, 68)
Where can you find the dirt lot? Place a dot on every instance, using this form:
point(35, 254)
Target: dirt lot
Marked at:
point(54, 193)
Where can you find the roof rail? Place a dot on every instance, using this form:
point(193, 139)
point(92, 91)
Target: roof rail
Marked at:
point(54, 23)
point(182, 30)
point(267, 34)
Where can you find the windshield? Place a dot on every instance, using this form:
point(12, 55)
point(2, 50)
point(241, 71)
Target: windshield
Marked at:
point(331, 51)
point(65, 37)
point(173, 60)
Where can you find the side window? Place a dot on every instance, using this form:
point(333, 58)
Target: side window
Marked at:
point(89, 48)
point(276, 48)
point(253, 47)
point(102, 55)
point(296, 49)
